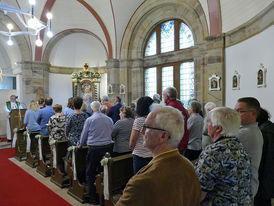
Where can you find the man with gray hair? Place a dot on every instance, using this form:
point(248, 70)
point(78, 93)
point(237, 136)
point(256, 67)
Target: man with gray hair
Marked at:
point(170, 97)
point(96, 135)
point(105, 102)
point(250, 135)
point(169, 179)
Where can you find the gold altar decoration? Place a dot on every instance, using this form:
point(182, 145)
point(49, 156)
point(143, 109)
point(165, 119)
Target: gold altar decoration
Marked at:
point(86, 83)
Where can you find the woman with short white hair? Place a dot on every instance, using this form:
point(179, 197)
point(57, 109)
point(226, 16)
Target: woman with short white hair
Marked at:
point(206, 140)
point(224, 166)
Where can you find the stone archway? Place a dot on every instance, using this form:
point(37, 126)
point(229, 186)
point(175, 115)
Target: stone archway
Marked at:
point(149, 14)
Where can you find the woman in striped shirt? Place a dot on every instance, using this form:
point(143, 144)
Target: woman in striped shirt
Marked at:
point(141, 155)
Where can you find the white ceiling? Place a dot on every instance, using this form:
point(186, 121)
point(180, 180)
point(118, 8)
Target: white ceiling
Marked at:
point(116, 14)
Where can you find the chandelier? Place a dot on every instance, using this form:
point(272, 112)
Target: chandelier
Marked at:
point(32, 25)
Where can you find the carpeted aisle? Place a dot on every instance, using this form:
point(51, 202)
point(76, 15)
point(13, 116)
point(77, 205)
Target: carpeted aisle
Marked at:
point(18, 188)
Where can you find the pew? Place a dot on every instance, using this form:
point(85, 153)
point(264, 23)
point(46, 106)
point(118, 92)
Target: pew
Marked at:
point(120, 170)
point(59, 176)
point(20, 146)
point(43, 156)
point(32, 160)
point(77, 173)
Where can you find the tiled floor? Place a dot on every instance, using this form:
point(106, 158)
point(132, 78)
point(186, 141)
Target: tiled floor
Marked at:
point(62, 192)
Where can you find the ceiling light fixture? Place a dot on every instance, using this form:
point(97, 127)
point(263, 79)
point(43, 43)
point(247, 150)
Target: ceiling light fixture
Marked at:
point(33, 25)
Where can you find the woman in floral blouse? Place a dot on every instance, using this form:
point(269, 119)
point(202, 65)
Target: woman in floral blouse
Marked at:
point(224, 166)
point(56, 124)
point(75, 122)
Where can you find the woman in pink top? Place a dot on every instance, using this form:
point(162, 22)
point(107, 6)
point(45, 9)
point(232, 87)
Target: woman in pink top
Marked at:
point(141, 155)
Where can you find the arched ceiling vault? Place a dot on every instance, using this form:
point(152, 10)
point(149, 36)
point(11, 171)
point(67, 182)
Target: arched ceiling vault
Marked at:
point(109, 19)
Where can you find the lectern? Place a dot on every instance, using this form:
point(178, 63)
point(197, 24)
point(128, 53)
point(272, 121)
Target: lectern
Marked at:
point(16, 119)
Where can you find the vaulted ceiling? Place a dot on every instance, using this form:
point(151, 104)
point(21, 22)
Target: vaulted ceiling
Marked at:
point(105, 22)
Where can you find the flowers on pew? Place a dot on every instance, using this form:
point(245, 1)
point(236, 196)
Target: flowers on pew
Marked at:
point(104, 161)
point(38, 136)
point(52, 142)
point(70, 148)
point(25, 133)
point(15, 130)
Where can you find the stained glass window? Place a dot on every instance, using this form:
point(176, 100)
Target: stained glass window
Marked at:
point(186, 81)
point(186, 37)
point(167, 77)
point(167, 36)
point(151, 45)
point(150, 82)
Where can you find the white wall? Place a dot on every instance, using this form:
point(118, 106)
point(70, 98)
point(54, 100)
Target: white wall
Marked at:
point(245, 57)
point(60, 88)
point(76, 49)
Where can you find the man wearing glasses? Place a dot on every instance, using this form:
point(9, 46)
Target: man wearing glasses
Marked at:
point(250, 135)
point(169, 179)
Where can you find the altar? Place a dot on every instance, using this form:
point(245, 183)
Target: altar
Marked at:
point(86, 83)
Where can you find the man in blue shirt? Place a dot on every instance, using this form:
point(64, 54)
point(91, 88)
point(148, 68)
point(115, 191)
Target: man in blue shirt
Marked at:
point(97, 135)
point(115, 110)
point(44, 115)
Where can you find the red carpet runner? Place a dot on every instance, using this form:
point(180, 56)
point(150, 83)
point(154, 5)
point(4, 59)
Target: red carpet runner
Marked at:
point(18, 188)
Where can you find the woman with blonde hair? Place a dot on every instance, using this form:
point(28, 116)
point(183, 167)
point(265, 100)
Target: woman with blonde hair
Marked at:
point(30, 119)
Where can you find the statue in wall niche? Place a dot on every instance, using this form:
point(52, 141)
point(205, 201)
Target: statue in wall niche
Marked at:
point(39, 93)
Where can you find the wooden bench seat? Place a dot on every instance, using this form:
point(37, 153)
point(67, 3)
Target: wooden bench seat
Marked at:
point(120, 170)
point(59, 176)
point(32, 160)
point(44, 167)
point(78, 188)
point(20, 146)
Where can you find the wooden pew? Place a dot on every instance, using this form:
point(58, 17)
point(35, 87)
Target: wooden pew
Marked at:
point(44, 167)
point(78, 189)
point(20, 146)
point(59, 176)
point(32, 160)
point(120, 170)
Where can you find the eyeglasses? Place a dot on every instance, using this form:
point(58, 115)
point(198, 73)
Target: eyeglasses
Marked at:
point(243, 111)
point(148, 127)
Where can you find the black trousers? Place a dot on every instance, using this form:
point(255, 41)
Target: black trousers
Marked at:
point(94, 156)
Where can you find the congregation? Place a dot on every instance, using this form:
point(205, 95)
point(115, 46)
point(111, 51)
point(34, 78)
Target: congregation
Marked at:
point(181, 156)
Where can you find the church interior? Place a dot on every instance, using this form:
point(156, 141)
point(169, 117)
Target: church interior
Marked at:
point(210, 50)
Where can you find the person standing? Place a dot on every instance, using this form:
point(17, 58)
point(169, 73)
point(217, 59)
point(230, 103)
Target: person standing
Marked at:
point(266, 170)
point(250, 135)
point(96, 135)
point(115, 110)
point(30, 119)
point(169, 179)
point(195, 127)
point(105, 102)
point(44, 115)
point(170, 97)
point(223, 167)
point(141, 155)
point(69, 109)
point(9, 106)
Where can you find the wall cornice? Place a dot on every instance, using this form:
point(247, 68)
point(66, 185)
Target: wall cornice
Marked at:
point(254, 26)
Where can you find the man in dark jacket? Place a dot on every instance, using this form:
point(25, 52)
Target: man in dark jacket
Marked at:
point(115, 110)
point(266, 170)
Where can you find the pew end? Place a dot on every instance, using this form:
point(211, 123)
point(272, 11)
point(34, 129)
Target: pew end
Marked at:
point(59, 176)
point(32, 160)
point(120, 170)
point(20, 147)
point(78, 189)
point(44, 167)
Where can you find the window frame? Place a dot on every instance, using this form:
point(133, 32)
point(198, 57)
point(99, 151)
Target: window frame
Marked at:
point(176, 75)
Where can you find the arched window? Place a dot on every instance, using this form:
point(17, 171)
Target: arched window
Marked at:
point(169, 36)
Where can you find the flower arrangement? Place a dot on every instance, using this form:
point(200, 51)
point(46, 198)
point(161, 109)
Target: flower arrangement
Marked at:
point(15, 130)
point(38, 136)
